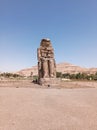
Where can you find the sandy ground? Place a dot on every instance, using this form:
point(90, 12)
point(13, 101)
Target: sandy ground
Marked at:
point(29, 84)
point(48, 109)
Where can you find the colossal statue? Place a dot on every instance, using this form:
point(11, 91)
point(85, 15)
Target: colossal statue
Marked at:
point(46, 61)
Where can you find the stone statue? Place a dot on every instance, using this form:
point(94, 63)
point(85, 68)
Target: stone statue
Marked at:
point(46, 61)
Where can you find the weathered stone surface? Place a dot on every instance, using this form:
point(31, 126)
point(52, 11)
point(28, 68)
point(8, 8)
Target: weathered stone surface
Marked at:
point(50, 82)
point(46, 60)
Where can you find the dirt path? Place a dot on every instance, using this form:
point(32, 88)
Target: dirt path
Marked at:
point(48, 109)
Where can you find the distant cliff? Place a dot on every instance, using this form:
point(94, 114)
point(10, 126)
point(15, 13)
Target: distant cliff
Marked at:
point(62, 67)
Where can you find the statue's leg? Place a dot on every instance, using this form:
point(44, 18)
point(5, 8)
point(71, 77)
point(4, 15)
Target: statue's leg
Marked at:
point(39, 69)
point(51, 68)
point(45, 69)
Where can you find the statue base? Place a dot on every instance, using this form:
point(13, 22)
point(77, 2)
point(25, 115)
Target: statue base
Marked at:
point(49, 81)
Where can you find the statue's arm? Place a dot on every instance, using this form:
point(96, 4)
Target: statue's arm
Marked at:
point(38, 54)
point(54, 63)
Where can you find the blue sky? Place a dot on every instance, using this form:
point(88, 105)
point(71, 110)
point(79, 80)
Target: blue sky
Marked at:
point(70, 24)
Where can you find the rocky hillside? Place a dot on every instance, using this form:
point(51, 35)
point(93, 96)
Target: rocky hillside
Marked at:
point(28, 71)
point(62, 67)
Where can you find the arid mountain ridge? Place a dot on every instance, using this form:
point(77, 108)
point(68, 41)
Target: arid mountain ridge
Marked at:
point(61, 67)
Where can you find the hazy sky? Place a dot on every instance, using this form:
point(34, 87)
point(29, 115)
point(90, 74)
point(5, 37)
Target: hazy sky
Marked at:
point(70, 24)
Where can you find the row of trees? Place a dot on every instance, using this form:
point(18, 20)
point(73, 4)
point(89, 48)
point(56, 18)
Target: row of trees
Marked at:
point(9, 75)
point(78, 76)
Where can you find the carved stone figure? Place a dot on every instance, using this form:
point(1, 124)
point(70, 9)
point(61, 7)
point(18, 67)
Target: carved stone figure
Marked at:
point(46, 61)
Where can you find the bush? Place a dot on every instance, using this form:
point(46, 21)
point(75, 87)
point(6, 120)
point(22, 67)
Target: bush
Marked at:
point(58, 74)
point(35, 77)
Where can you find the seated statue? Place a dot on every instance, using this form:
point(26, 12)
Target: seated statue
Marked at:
point(46, 61)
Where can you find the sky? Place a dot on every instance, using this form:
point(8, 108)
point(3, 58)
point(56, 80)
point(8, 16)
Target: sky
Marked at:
point(71, 25)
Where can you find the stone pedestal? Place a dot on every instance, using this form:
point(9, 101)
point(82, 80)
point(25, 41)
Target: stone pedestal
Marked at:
point(49, 81)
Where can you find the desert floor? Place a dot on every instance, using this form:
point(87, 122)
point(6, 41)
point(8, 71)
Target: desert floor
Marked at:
point(28, 108)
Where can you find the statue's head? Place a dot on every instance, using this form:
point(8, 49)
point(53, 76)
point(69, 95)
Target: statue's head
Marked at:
point(45, 42)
